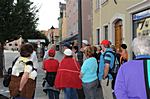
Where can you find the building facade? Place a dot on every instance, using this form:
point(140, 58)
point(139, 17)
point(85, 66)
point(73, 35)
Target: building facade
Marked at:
point(72, 17)
point(140, 18)
point(96, 21)
point(14, 45)
point(87, 20)
point(53, 35)
point(118, 21)
point(72, 20)
point(62, 21)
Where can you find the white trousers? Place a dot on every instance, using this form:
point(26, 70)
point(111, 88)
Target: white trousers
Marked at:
point(107, 90)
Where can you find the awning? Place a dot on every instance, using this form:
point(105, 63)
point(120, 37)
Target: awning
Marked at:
point(69, 39)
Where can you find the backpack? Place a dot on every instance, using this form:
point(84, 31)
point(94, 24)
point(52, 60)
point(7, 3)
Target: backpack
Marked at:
point(3, 97)
point(7, 76)
point(116, 63)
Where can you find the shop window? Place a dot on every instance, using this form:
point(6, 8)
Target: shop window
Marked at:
point(143, 27)
point(141, 23)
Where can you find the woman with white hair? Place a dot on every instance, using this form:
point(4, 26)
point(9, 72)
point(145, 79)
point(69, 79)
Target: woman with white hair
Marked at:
point(133, 79)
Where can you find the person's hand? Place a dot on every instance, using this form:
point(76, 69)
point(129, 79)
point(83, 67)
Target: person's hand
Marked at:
point(104, 77)
point(81, 75)
point(18, 93)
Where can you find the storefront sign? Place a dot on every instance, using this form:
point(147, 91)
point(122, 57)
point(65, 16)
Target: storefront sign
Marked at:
point(141, 15)
point(143, 28)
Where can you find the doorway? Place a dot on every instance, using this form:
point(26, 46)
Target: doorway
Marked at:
point(118, 33)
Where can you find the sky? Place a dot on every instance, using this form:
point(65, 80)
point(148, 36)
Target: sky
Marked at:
point(48, 13)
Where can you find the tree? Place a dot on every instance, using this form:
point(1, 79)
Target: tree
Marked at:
point(17, 17)
point(6, 7)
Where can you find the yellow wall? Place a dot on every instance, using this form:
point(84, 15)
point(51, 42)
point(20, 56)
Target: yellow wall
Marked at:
point(96, 20)
point(110, 10)
point(64, 28)
point(108, 13)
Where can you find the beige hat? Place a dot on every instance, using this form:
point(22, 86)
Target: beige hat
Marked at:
point(85, 42)
point(68, 52)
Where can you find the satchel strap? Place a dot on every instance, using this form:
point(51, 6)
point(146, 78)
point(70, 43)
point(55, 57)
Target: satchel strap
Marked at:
point(76, 65)
point(147, 77)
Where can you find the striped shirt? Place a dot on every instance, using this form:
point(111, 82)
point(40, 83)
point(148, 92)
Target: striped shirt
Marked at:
point(108, 58)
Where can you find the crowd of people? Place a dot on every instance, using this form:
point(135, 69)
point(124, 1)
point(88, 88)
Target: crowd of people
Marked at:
point(83, 71)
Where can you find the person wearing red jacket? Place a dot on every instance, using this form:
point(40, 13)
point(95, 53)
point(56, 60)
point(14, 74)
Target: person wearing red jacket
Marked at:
point(51, 66)
point(67, 77)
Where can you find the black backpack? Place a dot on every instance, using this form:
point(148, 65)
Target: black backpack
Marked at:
point(116, 64)
point(3, 97)
point(7, 76)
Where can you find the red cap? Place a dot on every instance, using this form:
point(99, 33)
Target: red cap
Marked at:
point(51, 52)
point(105, 42)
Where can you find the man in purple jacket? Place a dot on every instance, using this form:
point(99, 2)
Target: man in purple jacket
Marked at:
point(133, 78)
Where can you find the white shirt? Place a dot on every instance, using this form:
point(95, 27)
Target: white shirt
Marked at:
point(20, 67)
point(34, 59)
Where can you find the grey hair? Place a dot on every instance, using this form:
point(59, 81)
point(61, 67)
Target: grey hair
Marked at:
point(141, 45)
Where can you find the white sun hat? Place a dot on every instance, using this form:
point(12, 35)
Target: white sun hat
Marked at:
point(85, 42)
point(68, 52)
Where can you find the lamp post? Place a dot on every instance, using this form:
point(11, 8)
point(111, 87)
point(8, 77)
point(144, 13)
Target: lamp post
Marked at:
point(52, 34)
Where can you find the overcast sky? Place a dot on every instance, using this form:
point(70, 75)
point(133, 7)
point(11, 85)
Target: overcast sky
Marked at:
point(48, 13)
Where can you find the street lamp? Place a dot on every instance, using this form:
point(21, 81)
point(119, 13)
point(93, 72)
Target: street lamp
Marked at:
point(52, 34)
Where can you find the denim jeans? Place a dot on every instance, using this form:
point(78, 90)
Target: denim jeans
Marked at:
point(80, 93)
point(53, 94)
point(90, 89)
point(70, 93)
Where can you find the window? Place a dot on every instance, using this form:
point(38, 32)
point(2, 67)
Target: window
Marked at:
point(97, 4)
point(98, 36)
point(106, 32)
point(141, 23)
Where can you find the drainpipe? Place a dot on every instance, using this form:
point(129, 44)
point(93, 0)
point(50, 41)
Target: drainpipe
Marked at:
point(80, 23)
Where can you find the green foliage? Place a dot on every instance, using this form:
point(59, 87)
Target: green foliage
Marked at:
point(18, 17)
point(6, 9)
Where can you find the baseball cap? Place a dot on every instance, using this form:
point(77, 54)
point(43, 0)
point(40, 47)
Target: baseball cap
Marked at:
point(51, 52)
point(68, 52)
point(105, 42)
point(85, 42)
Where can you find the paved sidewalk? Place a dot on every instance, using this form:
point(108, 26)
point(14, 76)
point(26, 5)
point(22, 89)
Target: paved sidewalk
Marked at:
point(39, 89)
point(39, 94)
